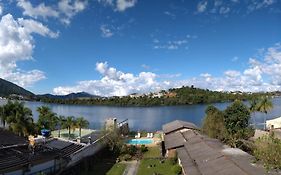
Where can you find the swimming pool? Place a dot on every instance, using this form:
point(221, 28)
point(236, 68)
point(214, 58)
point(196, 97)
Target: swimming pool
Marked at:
point(140, 141)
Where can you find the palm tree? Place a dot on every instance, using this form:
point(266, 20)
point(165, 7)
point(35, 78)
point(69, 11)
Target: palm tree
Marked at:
point(47, 119)
point(81, 123)
point(19, 118)
point(69, 124)
point(253, 108)
point(264, 106)
point(61, 120)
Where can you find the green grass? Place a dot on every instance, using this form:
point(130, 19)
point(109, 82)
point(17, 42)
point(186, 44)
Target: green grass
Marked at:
point(117, 169)
point(165, 168)
point(153, 152)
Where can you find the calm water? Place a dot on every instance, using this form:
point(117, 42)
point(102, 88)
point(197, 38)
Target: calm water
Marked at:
point(142, 118)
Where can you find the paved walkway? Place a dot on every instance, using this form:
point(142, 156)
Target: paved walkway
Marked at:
point(132, 168)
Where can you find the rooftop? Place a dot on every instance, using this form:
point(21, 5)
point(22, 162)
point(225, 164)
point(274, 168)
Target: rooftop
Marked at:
point(200, 154)
point(8, 138)
point(177, 125)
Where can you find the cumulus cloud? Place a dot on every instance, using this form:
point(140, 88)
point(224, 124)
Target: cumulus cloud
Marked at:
point(69, 8)
point(122, 5)
point(64, 10)
point(116, 83)
point(39, 11)
point(263, 74)
point(17, 44)
point(202, 6)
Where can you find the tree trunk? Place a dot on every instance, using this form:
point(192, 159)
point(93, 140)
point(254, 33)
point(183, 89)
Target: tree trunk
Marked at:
point(80, 132)
point(69, 133)
point(59, 133)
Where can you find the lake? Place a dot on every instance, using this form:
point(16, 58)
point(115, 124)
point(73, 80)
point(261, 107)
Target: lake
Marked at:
point(142, 118)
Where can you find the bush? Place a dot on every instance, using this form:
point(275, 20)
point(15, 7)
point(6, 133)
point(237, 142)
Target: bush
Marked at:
point(177, 169)
point(173, 161)
point(126, 157)
point(213, 124)
point(268, 150)
point(143, 148)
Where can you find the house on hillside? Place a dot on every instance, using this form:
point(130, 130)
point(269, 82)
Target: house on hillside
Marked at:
point(198, 154)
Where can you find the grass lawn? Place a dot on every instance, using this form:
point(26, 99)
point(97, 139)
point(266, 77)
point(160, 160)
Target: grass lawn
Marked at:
point(117, 169)
point(165, 168)
point(153, 152)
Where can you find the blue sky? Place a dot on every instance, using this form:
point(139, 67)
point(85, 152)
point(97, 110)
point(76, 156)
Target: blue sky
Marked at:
point(118, 47)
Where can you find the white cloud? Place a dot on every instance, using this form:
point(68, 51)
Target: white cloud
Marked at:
point(259, 4)
point(106, 32)
point(17, 44)
point(1, 9)
point(64, 10)
point(39, 11)
point(202, 6)
point(173, 44)
point(122, 5)
point(69, 8)
point(260, 75)
point(224, 10)
point(116, 83)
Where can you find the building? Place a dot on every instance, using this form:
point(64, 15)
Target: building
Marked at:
point(200, 155)
point(52, 156)
point(274, 123)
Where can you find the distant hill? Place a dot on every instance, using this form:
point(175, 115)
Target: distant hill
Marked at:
point(10, 89)
point(79, 95)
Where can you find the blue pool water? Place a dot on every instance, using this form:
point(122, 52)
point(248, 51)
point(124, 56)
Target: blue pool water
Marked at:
point(140, 141)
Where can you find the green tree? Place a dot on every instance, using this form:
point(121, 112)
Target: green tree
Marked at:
point(61, 120)
point(81, 123)
point(236, 118)
point(213, 124)
point(19, 118)
point(69, 124)
point(264, 106)
point(47, 119)
point(253, 108)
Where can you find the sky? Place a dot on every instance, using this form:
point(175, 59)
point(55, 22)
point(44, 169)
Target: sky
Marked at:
point(120, 47)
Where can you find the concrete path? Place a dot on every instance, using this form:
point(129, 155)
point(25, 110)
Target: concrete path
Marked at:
point(132, 167)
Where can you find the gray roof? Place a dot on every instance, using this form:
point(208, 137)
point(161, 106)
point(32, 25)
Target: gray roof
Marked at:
point(174, 140)
point(177, 125)
point(8, 138)
point(205, 156)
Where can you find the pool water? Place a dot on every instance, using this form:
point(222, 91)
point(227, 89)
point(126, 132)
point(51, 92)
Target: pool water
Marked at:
point(140, 141)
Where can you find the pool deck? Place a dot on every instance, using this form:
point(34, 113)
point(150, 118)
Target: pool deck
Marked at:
point(154, 143)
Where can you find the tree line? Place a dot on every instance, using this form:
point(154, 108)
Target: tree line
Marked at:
point(19, 119)
point(181, 96)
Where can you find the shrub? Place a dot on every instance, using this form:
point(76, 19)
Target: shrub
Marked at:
point(143, 148)
point(213, 124)
point(268, 150)
point(177, 169)
point(126, 157)
point(132, 150)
